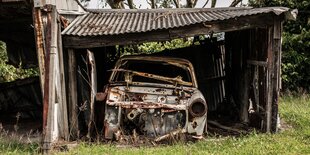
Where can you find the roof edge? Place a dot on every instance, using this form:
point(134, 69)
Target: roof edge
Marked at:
point(103, 21)
point(164, 10)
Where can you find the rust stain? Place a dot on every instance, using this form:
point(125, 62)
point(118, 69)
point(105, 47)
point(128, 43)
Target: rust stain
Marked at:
point(101, 96)
point(147, 105)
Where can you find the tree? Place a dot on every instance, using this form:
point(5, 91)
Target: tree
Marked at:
point(10, 73)
point(116, 4)
point(235, 3)
point(296, 44)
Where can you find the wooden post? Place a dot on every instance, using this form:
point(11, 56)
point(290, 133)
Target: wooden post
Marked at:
point(93, 91)
point(54, 74)
point(244, 96)
point(72, 97)
point(270, 74)
point(39, 38)
point(277, 71)
point(49, 134)
point(46, 95)
point(63, 115)
point(244, 77)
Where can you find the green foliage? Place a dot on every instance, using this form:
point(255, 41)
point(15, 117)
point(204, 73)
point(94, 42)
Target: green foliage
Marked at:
point(10, 73)
point(165, 4)
point(296, 60)
point(18, 148)
point(153, 47)
point(296, 43)
point(168, 45)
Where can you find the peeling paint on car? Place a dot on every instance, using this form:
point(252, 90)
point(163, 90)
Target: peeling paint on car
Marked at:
point(164, 103)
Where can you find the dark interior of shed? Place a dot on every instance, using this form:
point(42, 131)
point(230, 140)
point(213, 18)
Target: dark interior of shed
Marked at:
point(231, 73)
point(20, 106)
point(20, 100)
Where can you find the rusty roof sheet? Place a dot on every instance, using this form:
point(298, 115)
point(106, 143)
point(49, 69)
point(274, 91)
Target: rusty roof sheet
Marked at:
point(114, 22)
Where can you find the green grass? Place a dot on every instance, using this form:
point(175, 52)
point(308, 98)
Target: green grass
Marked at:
point(10, 146)
point(296, 140)
point(295, 111)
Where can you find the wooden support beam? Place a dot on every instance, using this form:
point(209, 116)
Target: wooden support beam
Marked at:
point(257, 63)
point(72, 94)
point(39, 37)
point(93, 91)
point(49, 98)
point(277, 30)
point(54, 74)
point(270, 74)
point(63, 115)
point(228, 25)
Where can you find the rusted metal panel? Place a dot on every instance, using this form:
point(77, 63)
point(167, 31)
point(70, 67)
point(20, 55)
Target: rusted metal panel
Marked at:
point(146, 105)
point(114, 22)
point(182, 63)
point(177, 80)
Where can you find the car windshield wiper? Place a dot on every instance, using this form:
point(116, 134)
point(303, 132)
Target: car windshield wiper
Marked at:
point(176, 80)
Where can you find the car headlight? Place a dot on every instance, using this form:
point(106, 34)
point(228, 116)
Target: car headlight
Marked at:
point(197, 108)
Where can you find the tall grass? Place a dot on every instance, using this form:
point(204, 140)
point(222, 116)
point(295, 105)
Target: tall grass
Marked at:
point(294, 111)
point(294, 138)
point(11, 143)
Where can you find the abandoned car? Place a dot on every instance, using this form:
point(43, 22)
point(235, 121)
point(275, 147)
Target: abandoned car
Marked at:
point(153, 97)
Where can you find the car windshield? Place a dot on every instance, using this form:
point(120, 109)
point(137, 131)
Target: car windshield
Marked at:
point(153, 72)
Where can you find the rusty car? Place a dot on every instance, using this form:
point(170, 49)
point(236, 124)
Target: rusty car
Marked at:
point(154, 97)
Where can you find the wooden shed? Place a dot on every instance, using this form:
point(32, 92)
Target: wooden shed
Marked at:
point(242, 69)
point(239, 73)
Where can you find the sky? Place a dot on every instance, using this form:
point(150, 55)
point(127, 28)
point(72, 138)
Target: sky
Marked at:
point(142, 4)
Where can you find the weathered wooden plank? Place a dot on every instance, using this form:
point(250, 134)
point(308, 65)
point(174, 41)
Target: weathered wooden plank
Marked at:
point(277, 71)
point(72, 94)
point(244, 82)
point(39, 37)
point(257, 63)
point(240, 23)
point(261, 36)
point(49, 80)
point(93, 90)
point(52, 119)
point(270, 74)
point(46, 96)
point(63, 121)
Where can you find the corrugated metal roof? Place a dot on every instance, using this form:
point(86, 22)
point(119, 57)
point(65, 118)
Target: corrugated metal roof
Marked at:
point(113, 22)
